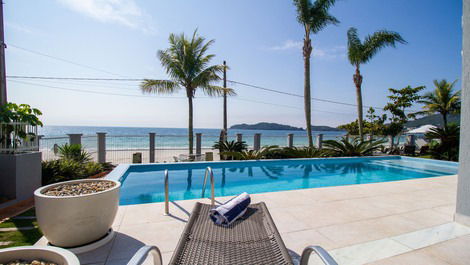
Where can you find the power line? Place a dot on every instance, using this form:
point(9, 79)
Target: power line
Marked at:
point(64, 60)
point(141, 79)
point(74, 78)
point(89, 91)
point(300, 96)
point(143, 96)
point(231, 81)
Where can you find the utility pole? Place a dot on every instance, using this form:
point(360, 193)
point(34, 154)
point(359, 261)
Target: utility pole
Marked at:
point(225, 98)
point(3, 78)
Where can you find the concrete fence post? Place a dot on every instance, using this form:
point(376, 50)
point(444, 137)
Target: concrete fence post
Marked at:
point(198, 143)
point(75, 138)
point(320, 141)
point(39, 142)
point(290, 140)
point(411, 139)
point(239, 137)
point(151, 147)
point(257, 141)
point(101, 147)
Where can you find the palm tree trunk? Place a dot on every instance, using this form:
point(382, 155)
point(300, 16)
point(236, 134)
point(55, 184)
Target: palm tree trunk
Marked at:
point(225, 98)
point(307, 50)
point(444, 117)
point(358, 82)
point(190, 124)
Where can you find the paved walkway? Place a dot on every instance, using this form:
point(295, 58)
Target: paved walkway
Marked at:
point(370, 223)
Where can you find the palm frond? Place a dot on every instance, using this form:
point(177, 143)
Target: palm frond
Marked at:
point(216, 91)
point(443, 99)
point(303, 10)
point(188, 65)
point(379, 40)
point(159, 86)
point(315, 16)
point(354, 147)
point(354, 47)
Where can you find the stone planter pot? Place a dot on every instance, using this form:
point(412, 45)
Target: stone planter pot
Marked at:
point(20, 175)
point(74, 221)
point(57, 255)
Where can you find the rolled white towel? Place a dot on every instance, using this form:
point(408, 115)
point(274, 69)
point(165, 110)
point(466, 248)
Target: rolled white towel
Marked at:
point(230, 211)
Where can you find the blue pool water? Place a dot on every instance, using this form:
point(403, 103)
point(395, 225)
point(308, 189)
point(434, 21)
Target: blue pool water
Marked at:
point(145, 183)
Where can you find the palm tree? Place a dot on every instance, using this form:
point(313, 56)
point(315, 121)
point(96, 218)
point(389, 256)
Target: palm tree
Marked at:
point(442, 100)
point(314, 17)
point(187, 64)
point(362, 52)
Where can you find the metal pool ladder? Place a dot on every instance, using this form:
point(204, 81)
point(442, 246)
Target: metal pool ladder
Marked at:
point(167, 192)
point(209, 171)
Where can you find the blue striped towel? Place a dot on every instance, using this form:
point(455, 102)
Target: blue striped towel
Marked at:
point(230, 211)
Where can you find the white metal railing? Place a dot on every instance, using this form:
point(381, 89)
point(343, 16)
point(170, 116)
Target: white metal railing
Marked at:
point(211, 174)
point(18, 137)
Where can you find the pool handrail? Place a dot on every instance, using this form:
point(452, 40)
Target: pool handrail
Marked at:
point(209, 171)
point(167, 194)
point(141, 255)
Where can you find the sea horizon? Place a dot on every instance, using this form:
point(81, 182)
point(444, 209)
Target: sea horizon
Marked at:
point(89, 130)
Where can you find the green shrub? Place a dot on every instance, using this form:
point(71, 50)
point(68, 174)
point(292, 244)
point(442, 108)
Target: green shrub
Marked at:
point(263, 153)
point(66, 169)
point(74, 152)
point(444, 142)
point(92, 168)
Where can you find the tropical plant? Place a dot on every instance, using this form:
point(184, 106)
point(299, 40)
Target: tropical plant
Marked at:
point(442, 100)
point(252, 154)
point(354, 147)
point(305, 152)
point(187, 63)
point(67, 169)
point(447, 144)
point(73, 152)
point(229, 146)
point(361, 52)
point(13, 123)
point(313, 17)
point(400, 100)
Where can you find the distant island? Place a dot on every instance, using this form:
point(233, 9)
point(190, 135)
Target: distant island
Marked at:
point(277, 126)
point(435, 120)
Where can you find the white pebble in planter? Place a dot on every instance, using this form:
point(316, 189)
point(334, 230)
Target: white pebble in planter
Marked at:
point(75, 213)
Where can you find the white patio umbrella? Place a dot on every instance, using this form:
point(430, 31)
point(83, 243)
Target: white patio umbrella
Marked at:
point(422, 130)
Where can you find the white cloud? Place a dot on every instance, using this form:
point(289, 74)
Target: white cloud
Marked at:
point(123, 12)
point(288, 45)
point(330, 53)
point(319, 52)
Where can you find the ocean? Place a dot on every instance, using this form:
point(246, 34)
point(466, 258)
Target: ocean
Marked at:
point(137, 137)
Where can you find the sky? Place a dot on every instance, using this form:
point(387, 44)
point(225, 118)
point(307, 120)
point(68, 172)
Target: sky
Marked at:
point(260, 40)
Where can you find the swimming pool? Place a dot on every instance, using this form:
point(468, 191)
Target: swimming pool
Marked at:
point(145, 183)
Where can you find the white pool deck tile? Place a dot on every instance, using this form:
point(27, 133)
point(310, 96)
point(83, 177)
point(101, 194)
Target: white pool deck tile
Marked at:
point(358, 224)
point(433, 235)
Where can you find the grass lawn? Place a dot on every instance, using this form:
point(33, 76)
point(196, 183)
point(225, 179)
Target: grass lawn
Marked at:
point(21, 237)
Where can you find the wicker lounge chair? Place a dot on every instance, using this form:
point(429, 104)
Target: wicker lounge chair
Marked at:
point(253, 239)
